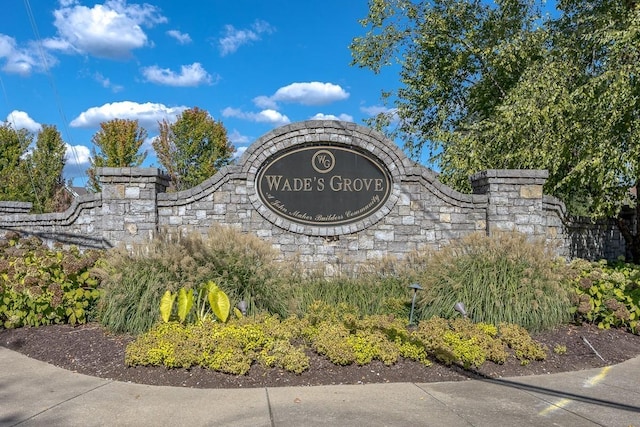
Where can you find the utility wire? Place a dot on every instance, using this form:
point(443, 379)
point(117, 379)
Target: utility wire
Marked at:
point(11, 120)
point(45, 65)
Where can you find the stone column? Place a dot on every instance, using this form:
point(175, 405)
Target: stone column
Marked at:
point(514, 199)
point(129, 203)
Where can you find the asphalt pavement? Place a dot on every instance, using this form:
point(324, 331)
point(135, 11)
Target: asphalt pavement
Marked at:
point(34, 393)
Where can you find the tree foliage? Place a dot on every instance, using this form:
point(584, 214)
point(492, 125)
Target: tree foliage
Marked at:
point(503, 86)
point(193, 148)
point(119, 142)
point(33, 174)
point(44, 165)
point(13, 145)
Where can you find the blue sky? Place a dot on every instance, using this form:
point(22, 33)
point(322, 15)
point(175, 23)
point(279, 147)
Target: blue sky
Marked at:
point(253, 64)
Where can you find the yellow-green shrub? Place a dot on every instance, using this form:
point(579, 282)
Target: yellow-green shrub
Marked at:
point(283, 354)
point(230, 348)
point(460, 341)
point(518, 339)
point(344, 338)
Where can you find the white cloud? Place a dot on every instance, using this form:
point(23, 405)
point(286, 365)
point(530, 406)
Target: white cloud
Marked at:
point(265, 102)
point(7, 45)
point(76, 163)
point(235, 38)
point(237, 138)
point(147, 145)
point(182, 38)
point(106, 83)
point(23, 60)
point(343, 117)
point(77, 155)
point(265, 116)
point(147, 114)
point(58, 44)
point(21, 120)
point(109, 30)
point(309, 93)
point(190, 75)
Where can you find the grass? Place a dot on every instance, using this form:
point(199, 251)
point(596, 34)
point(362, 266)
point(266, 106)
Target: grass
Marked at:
point(369, 293)
point(242, 265)
point(503, 278)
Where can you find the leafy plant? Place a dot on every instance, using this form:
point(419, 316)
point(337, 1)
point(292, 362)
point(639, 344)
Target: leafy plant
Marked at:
point(219, 302)
point(560, 349)
point(460, 341)
point(607, 294)
point(41, 286)
point(166, 305)
point(209, 292)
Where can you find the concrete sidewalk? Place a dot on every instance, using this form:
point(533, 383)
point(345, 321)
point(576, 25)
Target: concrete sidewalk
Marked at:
point(34, 393)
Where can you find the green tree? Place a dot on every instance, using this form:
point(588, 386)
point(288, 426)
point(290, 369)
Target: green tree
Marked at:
point(193, 148)
point(119, 141)
point(44, 167)
point(13, 145)
point(499, 86)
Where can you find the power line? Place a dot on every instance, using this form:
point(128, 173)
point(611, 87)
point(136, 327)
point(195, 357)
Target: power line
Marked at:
point(11, 120)
point(43, 58)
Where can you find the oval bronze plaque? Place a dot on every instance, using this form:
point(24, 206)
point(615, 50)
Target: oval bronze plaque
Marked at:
point(323, 185)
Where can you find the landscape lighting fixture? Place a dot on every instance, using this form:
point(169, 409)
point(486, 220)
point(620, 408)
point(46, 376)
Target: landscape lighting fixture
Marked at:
point(242, 306)
point(415, 288)
point(459, 307)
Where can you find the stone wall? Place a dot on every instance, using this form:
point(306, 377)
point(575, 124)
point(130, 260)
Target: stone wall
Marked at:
point(419, 211)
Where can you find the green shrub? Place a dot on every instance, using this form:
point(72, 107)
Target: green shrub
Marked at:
point(502, 278)
point(41, 286)
point(331, 339)
point(283, 354)
point(607, 294)
point(242, 265)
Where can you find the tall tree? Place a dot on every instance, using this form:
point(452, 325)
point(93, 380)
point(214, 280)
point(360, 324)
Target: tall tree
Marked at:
point(119, 141)
point(458, 59)
point(498, 86)
point(193, 148)
point(13, 145)
point(44, 166)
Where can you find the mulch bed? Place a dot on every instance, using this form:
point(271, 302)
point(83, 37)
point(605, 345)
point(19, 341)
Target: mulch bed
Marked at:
point(90, 350)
